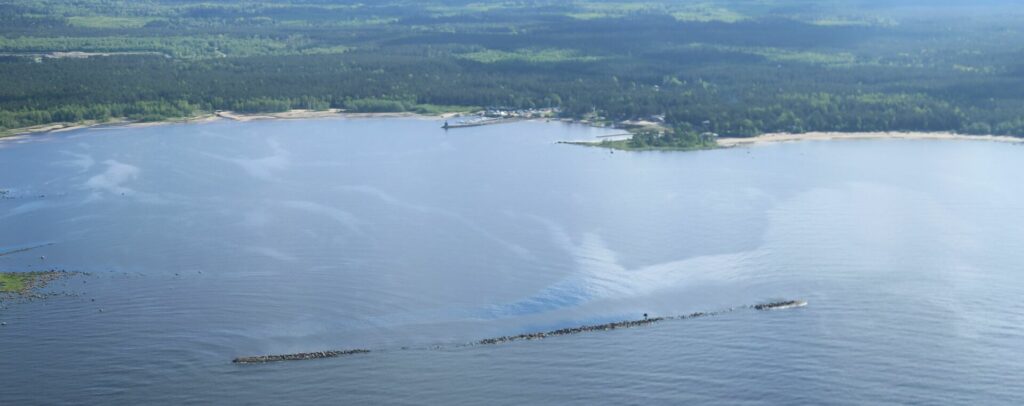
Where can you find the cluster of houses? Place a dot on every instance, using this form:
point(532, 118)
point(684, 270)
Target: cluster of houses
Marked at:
point(655, 122)
point(498, 112)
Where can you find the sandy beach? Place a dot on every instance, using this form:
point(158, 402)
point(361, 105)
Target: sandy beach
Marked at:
point(21, 133)
point(832, 136)
point(308, 114)
point(725, 142)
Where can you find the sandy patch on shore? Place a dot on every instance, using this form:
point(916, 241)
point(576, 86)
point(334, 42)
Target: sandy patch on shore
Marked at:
point(308, 114)
point(22, 133)
point(52, 128)
point(831, 136)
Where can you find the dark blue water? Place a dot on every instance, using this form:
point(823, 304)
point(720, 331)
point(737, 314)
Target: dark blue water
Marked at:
point(210, 241)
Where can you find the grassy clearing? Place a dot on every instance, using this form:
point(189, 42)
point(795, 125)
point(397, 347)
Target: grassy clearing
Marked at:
point(354, 23)
point(110, 22)
point(854, 22)
point(340, 49)
point(13, 282)
point(20, 283)
point(700, 12)
point(198, 47)
point(831, 59)
point(547, 55)
point(590, 11)
point(817, 58)
point(708, 14)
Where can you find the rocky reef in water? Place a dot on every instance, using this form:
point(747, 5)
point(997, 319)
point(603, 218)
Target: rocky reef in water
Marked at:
point(22, 287)
point(27, 284)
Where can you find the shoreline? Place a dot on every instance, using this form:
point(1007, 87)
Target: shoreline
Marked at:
point(295, 114)
point(770, 138)
point(301, 114)
point(841, 136)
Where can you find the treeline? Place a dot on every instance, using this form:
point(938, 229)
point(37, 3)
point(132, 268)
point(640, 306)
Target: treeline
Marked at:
point(680, 138)
point(149, 110)
point(734, 79)
point(145, 111)
point(139, 111)
point(151, 89)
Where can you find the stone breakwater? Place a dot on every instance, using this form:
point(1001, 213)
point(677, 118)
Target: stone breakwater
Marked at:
point(26, 249)
point(780, 305)
point(571, 331)
point(599, 327)
point(297, 357)
point(787, 304)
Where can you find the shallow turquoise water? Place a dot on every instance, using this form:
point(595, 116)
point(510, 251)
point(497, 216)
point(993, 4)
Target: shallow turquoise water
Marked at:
point(211, 241)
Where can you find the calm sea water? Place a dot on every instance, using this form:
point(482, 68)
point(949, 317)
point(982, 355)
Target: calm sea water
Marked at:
point(209, 241)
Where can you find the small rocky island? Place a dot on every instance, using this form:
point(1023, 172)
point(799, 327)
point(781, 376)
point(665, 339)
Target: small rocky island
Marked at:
point(21, 284)
point(20, 287)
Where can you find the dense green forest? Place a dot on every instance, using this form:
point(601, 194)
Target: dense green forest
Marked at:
point(675, 139)
point(733, 67)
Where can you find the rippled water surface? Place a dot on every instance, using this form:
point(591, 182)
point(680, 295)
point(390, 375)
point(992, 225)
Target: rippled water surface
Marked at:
point(205, 242)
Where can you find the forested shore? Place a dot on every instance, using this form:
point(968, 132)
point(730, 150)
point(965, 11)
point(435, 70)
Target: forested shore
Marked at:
point(732, 68)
